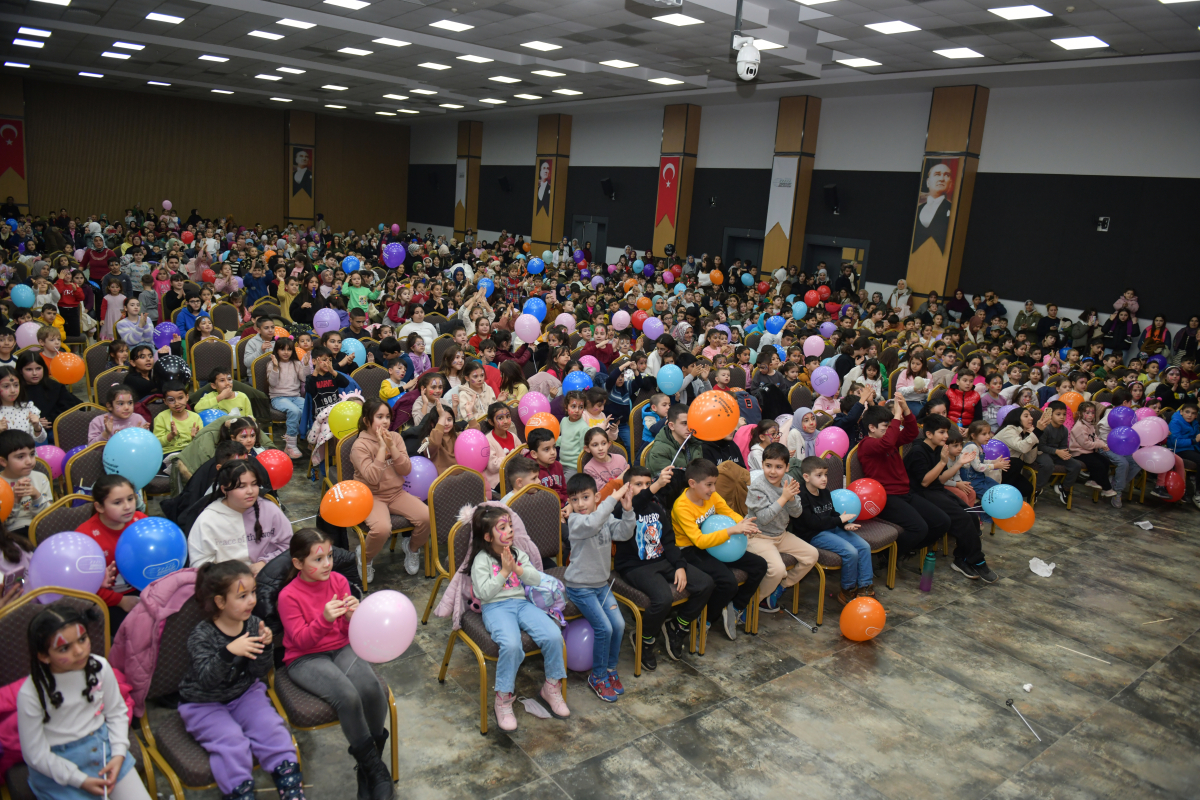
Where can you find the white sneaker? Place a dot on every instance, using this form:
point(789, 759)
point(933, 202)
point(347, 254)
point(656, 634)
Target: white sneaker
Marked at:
point(370, 576)
point(1092, 484)
point(1109, 493)
point(412, 560)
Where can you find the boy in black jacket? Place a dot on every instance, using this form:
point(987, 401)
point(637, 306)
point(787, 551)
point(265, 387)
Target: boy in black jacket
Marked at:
point(824, 528)
point(652, 563)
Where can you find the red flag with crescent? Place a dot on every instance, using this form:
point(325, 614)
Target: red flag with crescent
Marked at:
point(668, 189)
point(12, 146)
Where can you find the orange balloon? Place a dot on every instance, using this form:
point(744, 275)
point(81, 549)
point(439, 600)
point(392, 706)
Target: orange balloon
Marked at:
point(609, 488)
point(347, 504)
point(525, 247)
point(542, 419)
point(1021, 522)
point(862, 619)
point(1072, 400)
point(7, 499)
point(713, 415)
point(716, 277)
point(301, 352)
point(644, 303)
point(268, 255)
point(629, 284)
point(67, 368)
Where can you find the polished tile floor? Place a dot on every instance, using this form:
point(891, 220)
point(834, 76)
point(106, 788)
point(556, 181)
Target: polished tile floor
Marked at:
point(1109, 644)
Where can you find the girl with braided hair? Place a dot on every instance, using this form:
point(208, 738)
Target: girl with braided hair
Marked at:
point(73, 722)
point(237, 525)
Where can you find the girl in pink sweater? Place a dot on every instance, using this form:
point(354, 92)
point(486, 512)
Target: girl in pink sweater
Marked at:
point(315, 607)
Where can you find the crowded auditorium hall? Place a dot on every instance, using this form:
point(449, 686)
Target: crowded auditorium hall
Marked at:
point(599, 399)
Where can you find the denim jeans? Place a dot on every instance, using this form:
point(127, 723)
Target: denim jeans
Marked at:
point(980, 483)
point(607, 623)
point(293, 407)
point(915, 406)
point(855, 553)
point(504, 620)
point(90, 754)
point(1127, 469)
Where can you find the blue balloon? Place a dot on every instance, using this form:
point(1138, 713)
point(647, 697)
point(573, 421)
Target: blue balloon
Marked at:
point(22, 296)
point(577, 381)
point(846, 502)
point(535, 266)
point(536, 307)
point(782, 353)
point(133, 453)
point(775, 324)
point(791, 298)
point(150, 549)
point(350, 264)
point(799, 310)
point(638, 266)
point(828, 362)
point(381, 226)
point(1062, 353)
point(747, 279)
point(355, 347)
point(12, 223)
point(734, 547)
point(679, 288)
point(670, 379)
point(1002, 501)
point(391, 401)
point(717, 522)
point(487, 285)
point(209, 414)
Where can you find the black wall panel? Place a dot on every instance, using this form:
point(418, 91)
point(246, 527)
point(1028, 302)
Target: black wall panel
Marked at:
point(431, 194)
point(630, 216)
point(510, 211)
point(741, 202)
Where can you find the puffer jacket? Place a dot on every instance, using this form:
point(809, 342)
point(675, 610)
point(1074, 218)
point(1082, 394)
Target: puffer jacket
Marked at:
point(1024, 447)
point(270, 580)
point(135, 650)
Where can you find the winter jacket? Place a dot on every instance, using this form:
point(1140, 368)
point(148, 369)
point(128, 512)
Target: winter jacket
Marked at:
point(1083, 438)
point(664, 448)
point(1020, 444)
point(962, 406)
point(1119, 336)
point(1182, 436)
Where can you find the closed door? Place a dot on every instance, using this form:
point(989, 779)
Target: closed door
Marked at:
point(591, 230)
point(748, 249)
point(832, 256)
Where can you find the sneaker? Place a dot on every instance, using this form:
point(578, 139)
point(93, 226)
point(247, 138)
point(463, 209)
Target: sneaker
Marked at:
point(965, 569)
point(866, 591)
point(729, 618)
point(505, 717)
point(552, 694)
point(412, 560)
point(1060, 493)
point(370, 576)
point(1092, 484)
point(674, 639)
point(1116, 500)
point(770, 603)
point(615, 682)
point(648, 660)
point(985, 573)
point(1160, 492)
point(1108, 493)
point(602, 688)
point(1196, 500)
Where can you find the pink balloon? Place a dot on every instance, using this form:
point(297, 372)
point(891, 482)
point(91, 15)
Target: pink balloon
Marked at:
point(1155, 459)
point(590, 361)
point(528, 327)
point(1141, 413)
point(612, 269)
point(27, 334)
point(471, 450)
point(420, 478)
point(668, 277)
point(567, 321)
point(78, 254)
point(814, 346)
point(383, 626)
point(1151, 430)
point(167, 205)
point(53, 456)
point(620, 320)
point(835, 439)
point(395, 227)
point(532, 403)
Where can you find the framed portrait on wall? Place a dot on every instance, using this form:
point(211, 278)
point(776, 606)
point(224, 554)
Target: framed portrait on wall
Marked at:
point(545, 178)
point(935, 202)
point(302, 174)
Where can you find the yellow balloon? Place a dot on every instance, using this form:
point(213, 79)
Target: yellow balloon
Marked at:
point(344, 417)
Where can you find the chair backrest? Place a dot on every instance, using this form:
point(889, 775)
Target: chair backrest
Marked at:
point(85, 468)
point(516, 452)
point(258, 373)
point(343, 467)
point(645, 454)
point(71, 426)
point(105, 381)
point(854, 468)
point(14, 627)
point(436, 320)
point(635, 427)
point(267, 306)
point(174, 662)
point(824, 420)
point(207, 356)
point(240, 356)
point(40, 465)
point(175, 313)
point(457, 544)
point(800, 396)
point(369, 378)
point(835, 470)
point(753, 339)
point(95, 359)
point(65, 514)
point(440, 345)
point(539, 509)
point(226, 317)
point(194, 336)
point(737, 377)
point(1102, 396)
point(453, 489)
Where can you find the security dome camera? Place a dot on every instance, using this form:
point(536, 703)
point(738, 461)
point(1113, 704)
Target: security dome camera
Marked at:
point(748, 57)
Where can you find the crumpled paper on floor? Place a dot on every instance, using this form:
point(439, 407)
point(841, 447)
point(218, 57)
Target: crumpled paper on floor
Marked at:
point(1040, 567)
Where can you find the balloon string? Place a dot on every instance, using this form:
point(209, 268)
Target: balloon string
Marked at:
point(680, 450)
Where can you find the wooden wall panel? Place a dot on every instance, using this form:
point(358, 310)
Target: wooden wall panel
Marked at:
point(364, 176)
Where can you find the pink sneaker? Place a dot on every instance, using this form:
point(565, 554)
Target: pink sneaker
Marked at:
point(552, 694)
point(505, 717)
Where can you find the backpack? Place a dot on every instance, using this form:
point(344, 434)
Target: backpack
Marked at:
point(550, 596)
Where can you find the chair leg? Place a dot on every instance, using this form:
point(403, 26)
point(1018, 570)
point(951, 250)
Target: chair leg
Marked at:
point(893, 558)
point(637, 638)
point(172, 778)
point(820, 594)
point(1070, 497)
point(148, 768)
point(703, 629)
point(446, 660)
point(395, 738)
point(432, 598)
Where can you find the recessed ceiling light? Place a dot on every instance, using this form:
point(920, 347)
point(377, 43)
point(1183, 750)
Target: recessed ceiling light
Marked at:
point(281, 99)
point(16, 64)
point(396, 96)
point(155, 16)
point(959, 52)
point(763, 44)
point(665, 81)
point(221, 91)
point(265, 77)
point(266, 35)
point(567, 91)
point(893, 27)
point(296, 23)
point(1080, 42)
point(617, 63)
point(157, 83)
point(451, 25)
point(528, 96)
point(333, 87)
point(678, 19)
point(218, 59)
point(90, 75)
point(407, 111)
point(331, 105)
point(449, 105)
point(386, 113)
point(859, 62)
point(476, 59)
point(504, 79)
point(549, 73)
point(391, 42)
point(433, 65)
point(34, 32)
point(29, 43)
point(543, 46)
point(423, 91)
point(290, 70)
point(129, 46)
point(1020, 12)
point(110, 54)
point(491, 101)
point(354, 51)
point(353, 5)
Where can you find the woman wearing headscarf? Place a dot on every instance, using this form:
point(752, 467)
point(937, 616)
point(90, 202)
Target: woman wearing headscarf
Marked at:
point(95, 258)
point(802, 443)
point(898, 301)
point(959, 306)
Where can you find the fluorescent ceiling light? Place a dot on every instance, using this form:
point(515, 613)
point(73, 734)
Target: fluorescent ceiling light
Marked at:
point(391, 42)
point(110, 54)
point(491, 101)
point(290, 70)
point(567, 91)
point(354, 51)
point(528, 96)
point(164, 18)
point(29, 43)
point(396, 96)
point(423, 91)
point(959, 52)
point(16, 64)
point(893, 27)
point(129, 46)
point(333, 87)
point(221, 91)
point(1080, 42)
point(449, 105)
point(504, 79)
point(353, 5)
point(617, 63)
point(218, 59)
point(763, 44)
point(813, 2)
point(296, 23)
point(34, 32)
point(265, 77)
point(90, 75)
point(274, 37)
point(56, 2)
point(407, 111)
point(665, 81)
point(1168, 2)
point(1020, 12)
point(542, 46)
point(451, 25)
point(385, 113)
point(549, 73)
point(433, 65)
point(678, 19)
point(476, 59)
point(157, 83)
point(331, 105)
point(859, 62)
point(281, 99)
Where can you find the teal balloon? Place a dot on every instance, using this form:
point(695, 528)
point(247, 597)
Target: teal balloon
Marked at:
point(355, 347)
point(22, 296)
point(135, 454)
point(670, 379)
point(747, 279)
point(679, 288)
point(1002, 501)
point(638, 266)
point(547, 255)
point(846, 502)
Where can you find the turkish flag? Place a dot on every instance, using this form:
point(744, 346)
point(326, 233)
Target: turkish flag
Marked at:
point(12, 146)
point(668, 189)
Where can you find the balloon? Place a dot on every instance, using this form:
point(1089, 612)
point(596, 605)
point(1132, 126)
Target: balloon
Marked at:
point(27, 332)
point(612, 269)
point(713, 415)
point(67, 368)
point(535, 266)
point(653, 328)
point(597, 281)
point(351, 264)
point(590, 361)
point(1155, 459)
point(167, 205)
point(1175, 486)
point(638, 318)
point(577, 381)
point(326, 320)
point(7, 499)
point(393, 255)
point(872, 495)
point(136, 454)
point(835, 439)
point(630, 285)
point(780, 274)
point(1020, 522)
point(347, 503)
point(1124, 441)
point(846, 501)
point(732, 548)
point(532, 403)
point(863, 618)
point(22, 296)
point(814, 346)
point(1143, 413)
point(578, 256)
point(1159, 359)
point(775, 324)
point(648, 270)
point(70, 560)
point(1005, 411)
point(994, 449)
point(343, 419)
point(676, 270)
point(1063, 352)
point(747, 279)
point(679, 288)
point(716, 277)
point(579, 637)
point(421, 477)
point(278, 467)
point(383, 626)
point(79, 254)
point(53, 456)
point(827, 329)
point(799, 310)
point(208, 276)
point(1151, 430)
point(610, 487)
point(527, 327)
point(535, 307)
point(355, 348)
point(395, 228)
point(763, 287)
point(1071, 400)
point(547, 255)
point(670, 379)
point(621, 320)
point(644, 303)
point(209, 414)
point(187, 237)
point(1002, 501)
point(471, 449)
point(825, 380)
point(150, 549)
point(823, 292)
point(811, 298)
point(565, 320)
point(542, 419)
point(1121, 417)
point(164, 333)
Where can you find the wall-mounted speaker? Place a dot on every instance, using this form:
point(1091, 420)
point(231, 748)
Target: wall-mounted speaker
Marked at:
point(831, 198)
point(505, 186)
point(606, 186)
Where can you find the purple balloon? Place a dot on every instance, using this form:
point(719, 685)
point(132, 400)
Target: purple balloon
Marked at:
point(326, 320)
point(585, 274)
point(1122, 417)
point(418, 481)
point(827, 329)
point(578, 256)
point(70, 560)
point(73, 451)
point(652, 328)
point(1004, 411)
point(164, 332)
point(579, 636)
point(1124, 441)
point(996, 449)
point(597, 281)
point(648, 271)
point(825, 381)
point(393, 255)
